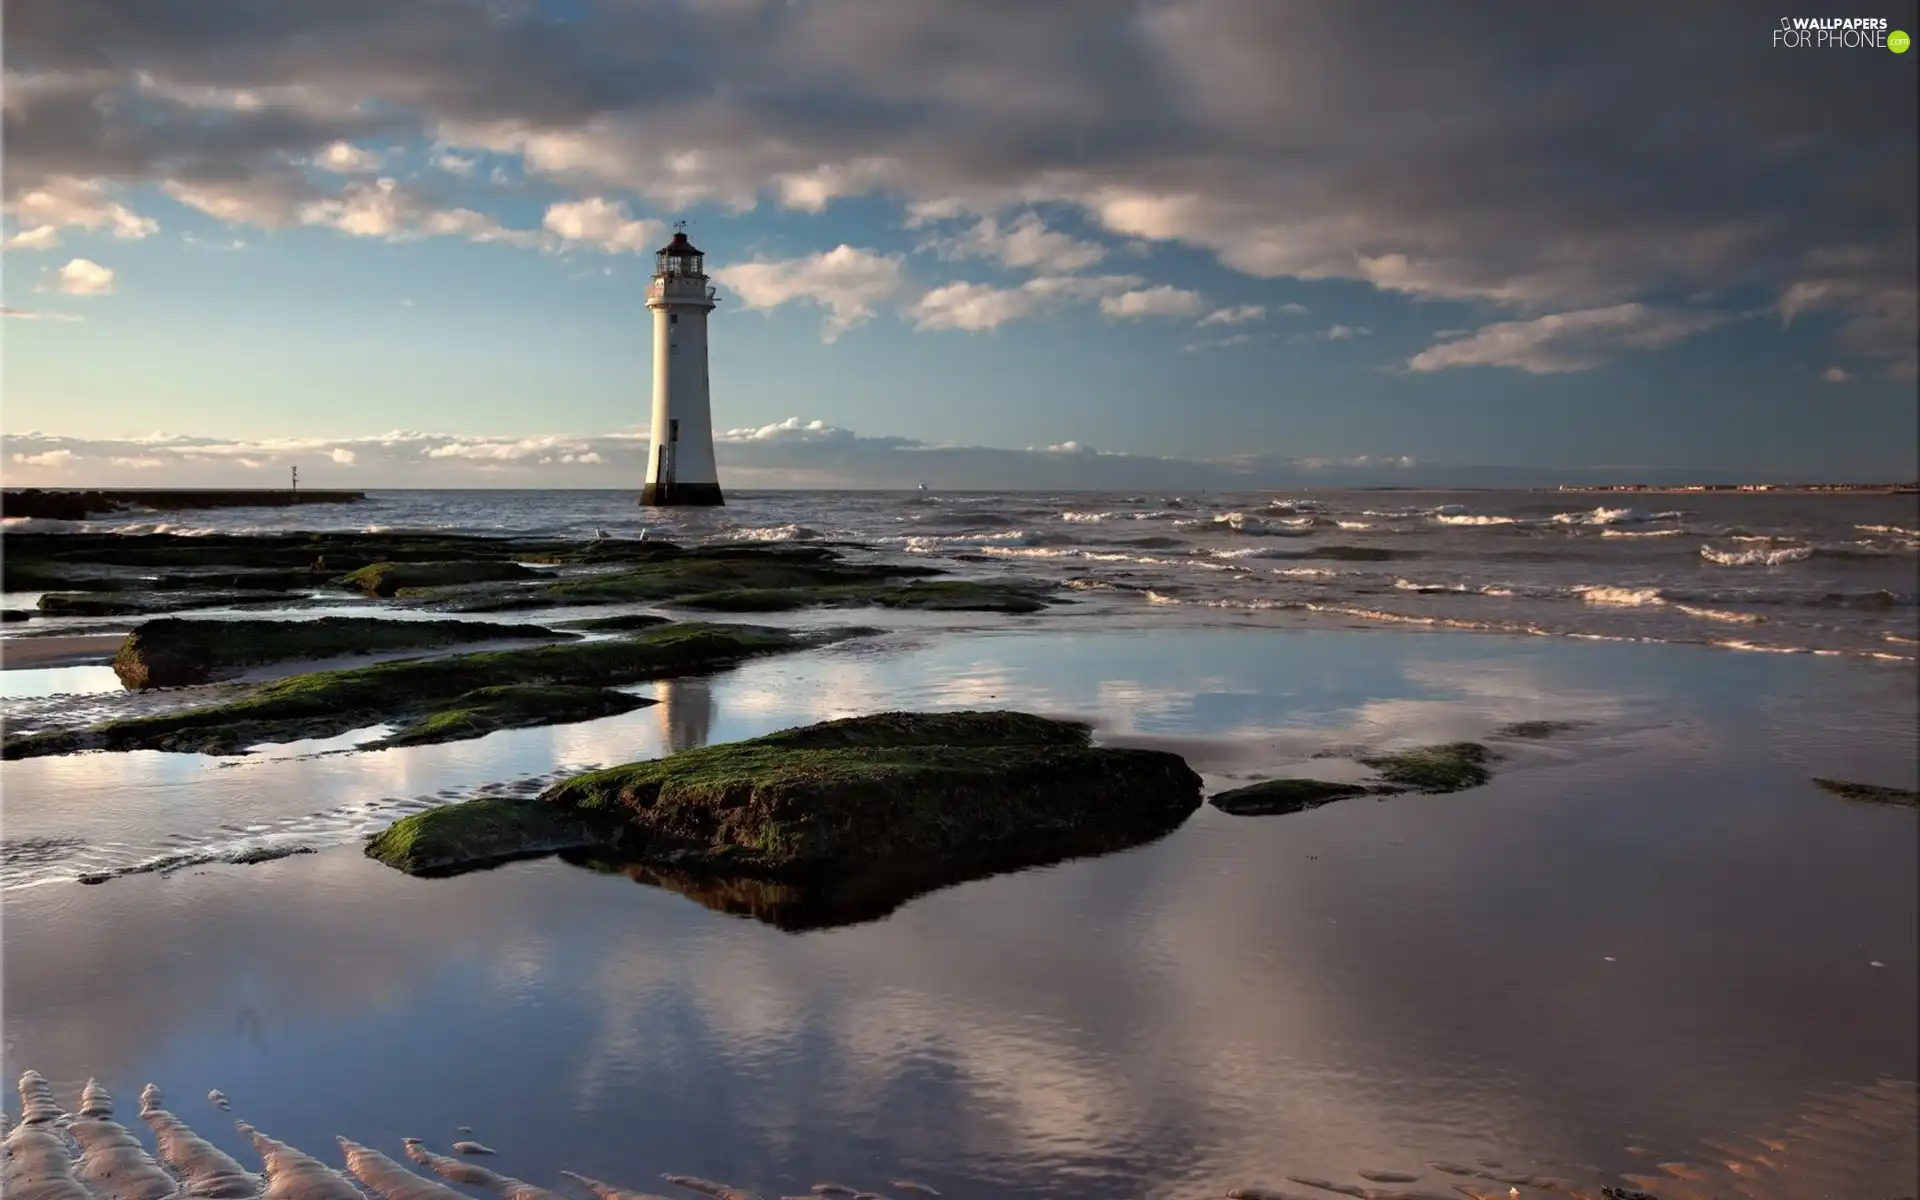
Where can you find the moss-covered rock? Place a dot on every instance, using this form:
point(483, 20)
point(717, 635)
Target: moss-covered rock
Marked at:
point(1450, 767)
point(484, 832)
point(511, 706)
point(1870, 793)
point(330, 703)
point(10, 615)
point(172, 652)
point(910, 795)
point(388, 579)
point(144, 604)
point(624, 623)
point(1535, 730)
point(940, 595)
point(693, 573)
point(1273, 797)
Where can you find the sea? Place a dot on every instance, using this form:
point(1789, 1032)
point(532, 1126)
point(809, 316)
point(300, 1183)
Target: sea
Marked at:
point(1651, 958)
point(1826, 573)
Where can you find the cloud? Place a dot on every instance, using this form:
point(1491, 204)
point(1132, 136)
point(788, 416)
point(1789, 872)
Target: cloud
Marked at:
point(385, 208)
point(347, 159)
point(1160, 301)
point(38, 314)
point(80, 277)
point(1239, 315)
point(1341, 333)
point(1026, 244)
point(49, 459)
point(1292, 310)
point(848, 282)
point(64, 202)
point(343, 456)
point(1835, 375)
point(1221, 343)
point(1565, 342)
point(1252, 132)
point(975, 307)
point(455, 164)
point(1071, 448)
point(604, 225)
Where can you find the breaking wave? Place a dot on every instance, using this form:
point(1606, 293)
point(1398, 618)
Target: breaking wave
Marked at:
point(1768, 556)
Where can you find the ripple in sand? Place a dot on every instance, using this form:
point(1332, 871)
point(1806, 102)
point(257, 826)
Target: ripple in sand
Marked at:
point(294, 1174)
point(113, 1164)
point(606, 1191)
point(36, 1163)
point(206, 1171)
point(707, 1187)
point(472, 1148)
point(504, 1186)
point(388, 1179)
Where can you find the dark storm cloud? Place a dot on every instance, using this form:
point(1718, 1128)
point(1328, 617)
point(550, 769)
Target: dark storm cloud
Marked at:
point(1541, 158)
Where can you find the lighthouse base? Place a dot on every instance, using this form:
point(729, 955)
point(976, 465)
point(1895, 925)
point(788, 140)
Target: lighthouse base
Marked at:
point(681, 495)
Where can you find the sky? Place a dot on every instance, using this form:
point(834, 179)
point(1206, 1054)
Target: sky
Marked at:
point(1086, 243)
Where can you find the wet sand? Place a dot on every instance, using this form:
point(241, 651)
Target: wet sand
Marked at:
point(1644, 938)
point(60, 650)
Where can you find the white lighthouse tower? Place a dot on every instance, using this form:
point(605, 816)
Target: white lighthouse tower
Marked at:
point(680, 466)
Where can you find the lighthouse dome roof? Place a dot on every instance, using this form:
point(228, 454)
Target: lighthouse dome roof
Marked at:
point(679, 245)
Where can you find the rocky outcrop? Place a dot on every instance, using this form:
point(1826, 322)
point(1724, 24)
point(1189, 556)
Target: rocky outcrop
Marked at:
point(173, 652)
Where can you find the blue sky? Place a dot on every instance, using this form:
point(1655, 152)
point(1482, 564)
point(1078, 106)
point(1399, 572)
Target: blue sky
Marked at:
point(1235, 239)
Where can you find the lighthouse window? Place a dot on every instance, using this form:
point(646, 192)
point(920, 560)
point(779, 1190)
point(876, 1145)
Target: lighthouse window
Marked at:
point(673, 318)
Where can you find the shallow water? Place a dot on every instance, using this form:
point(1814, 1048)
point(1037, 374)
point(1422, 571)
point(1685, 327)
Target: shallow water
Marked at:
point(1648, 931)
point(1835, 574)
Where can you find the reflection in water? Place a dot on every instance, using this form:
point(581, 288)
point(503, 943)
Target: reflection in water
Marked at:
point(1651, 932)
point(687, 710)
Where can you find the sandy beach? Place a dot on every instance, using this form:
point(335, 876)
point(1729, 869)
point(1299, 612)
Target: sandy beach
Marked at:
point(69, 650)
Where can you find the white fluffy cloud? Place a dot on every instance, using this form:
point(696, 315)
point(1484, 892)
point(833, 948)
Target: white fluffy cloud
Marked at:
point(1160, 301)
point(38, 314)
point(604, 224)
point(976, 307)
point(1341, 333)
point(345, 158)
point(80, 277)
point(1237, 315)
point(1024, 244)
point(64, 202)
point(1564, 342)
point(849, 283)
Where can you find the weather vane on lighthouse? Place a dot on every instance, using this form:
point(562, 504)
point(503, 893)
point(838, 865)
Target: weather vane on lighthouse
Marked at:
point(680, 468)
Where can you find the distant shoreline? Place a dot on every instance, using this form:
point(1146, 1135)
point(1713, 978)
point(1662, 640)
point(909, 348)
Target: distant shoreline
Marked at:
point(1794, 489)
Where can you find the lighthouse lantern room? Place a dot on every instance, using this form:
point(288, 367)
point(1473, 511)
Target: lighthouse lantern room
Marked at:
point(680, 469)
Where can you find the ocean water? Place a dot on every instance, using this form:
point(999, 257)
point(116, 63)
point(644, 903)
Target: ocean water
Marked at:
point(1825, 574)
point(1649, 954)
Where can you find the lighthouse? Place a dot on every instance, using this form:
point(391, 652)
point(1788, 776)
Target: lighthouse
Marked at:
point(680, 466)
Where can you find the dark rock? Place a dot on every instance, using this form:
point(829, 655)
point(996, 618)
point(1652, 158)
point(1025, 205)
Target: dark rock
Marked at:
point(624, 623)
point(1451, 767)
point(10, 615)
point(141, 604)
point(412, 691)
point(886, 805)
point(173, 652)
point(1870, 793)
point(1276, 796)
point(387, 578)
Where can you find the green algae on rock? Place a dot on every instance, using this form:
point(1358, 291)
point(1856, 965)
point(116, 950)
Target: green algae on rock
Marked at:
point(1869, 793)
point(330, 703)
point(915, 796)
point(173, 652)
point(1449, 767)
point(623, 623)
point(510, 706)
point(1273, 797)
point(691, 573)
point(388, 578)
point(484, 832)
point(143, 604)
point(1535, 730)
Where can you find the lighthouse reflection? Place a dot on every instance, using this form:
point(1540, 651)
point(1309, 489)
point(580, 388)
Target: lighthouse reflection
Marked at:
point(687, 709)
